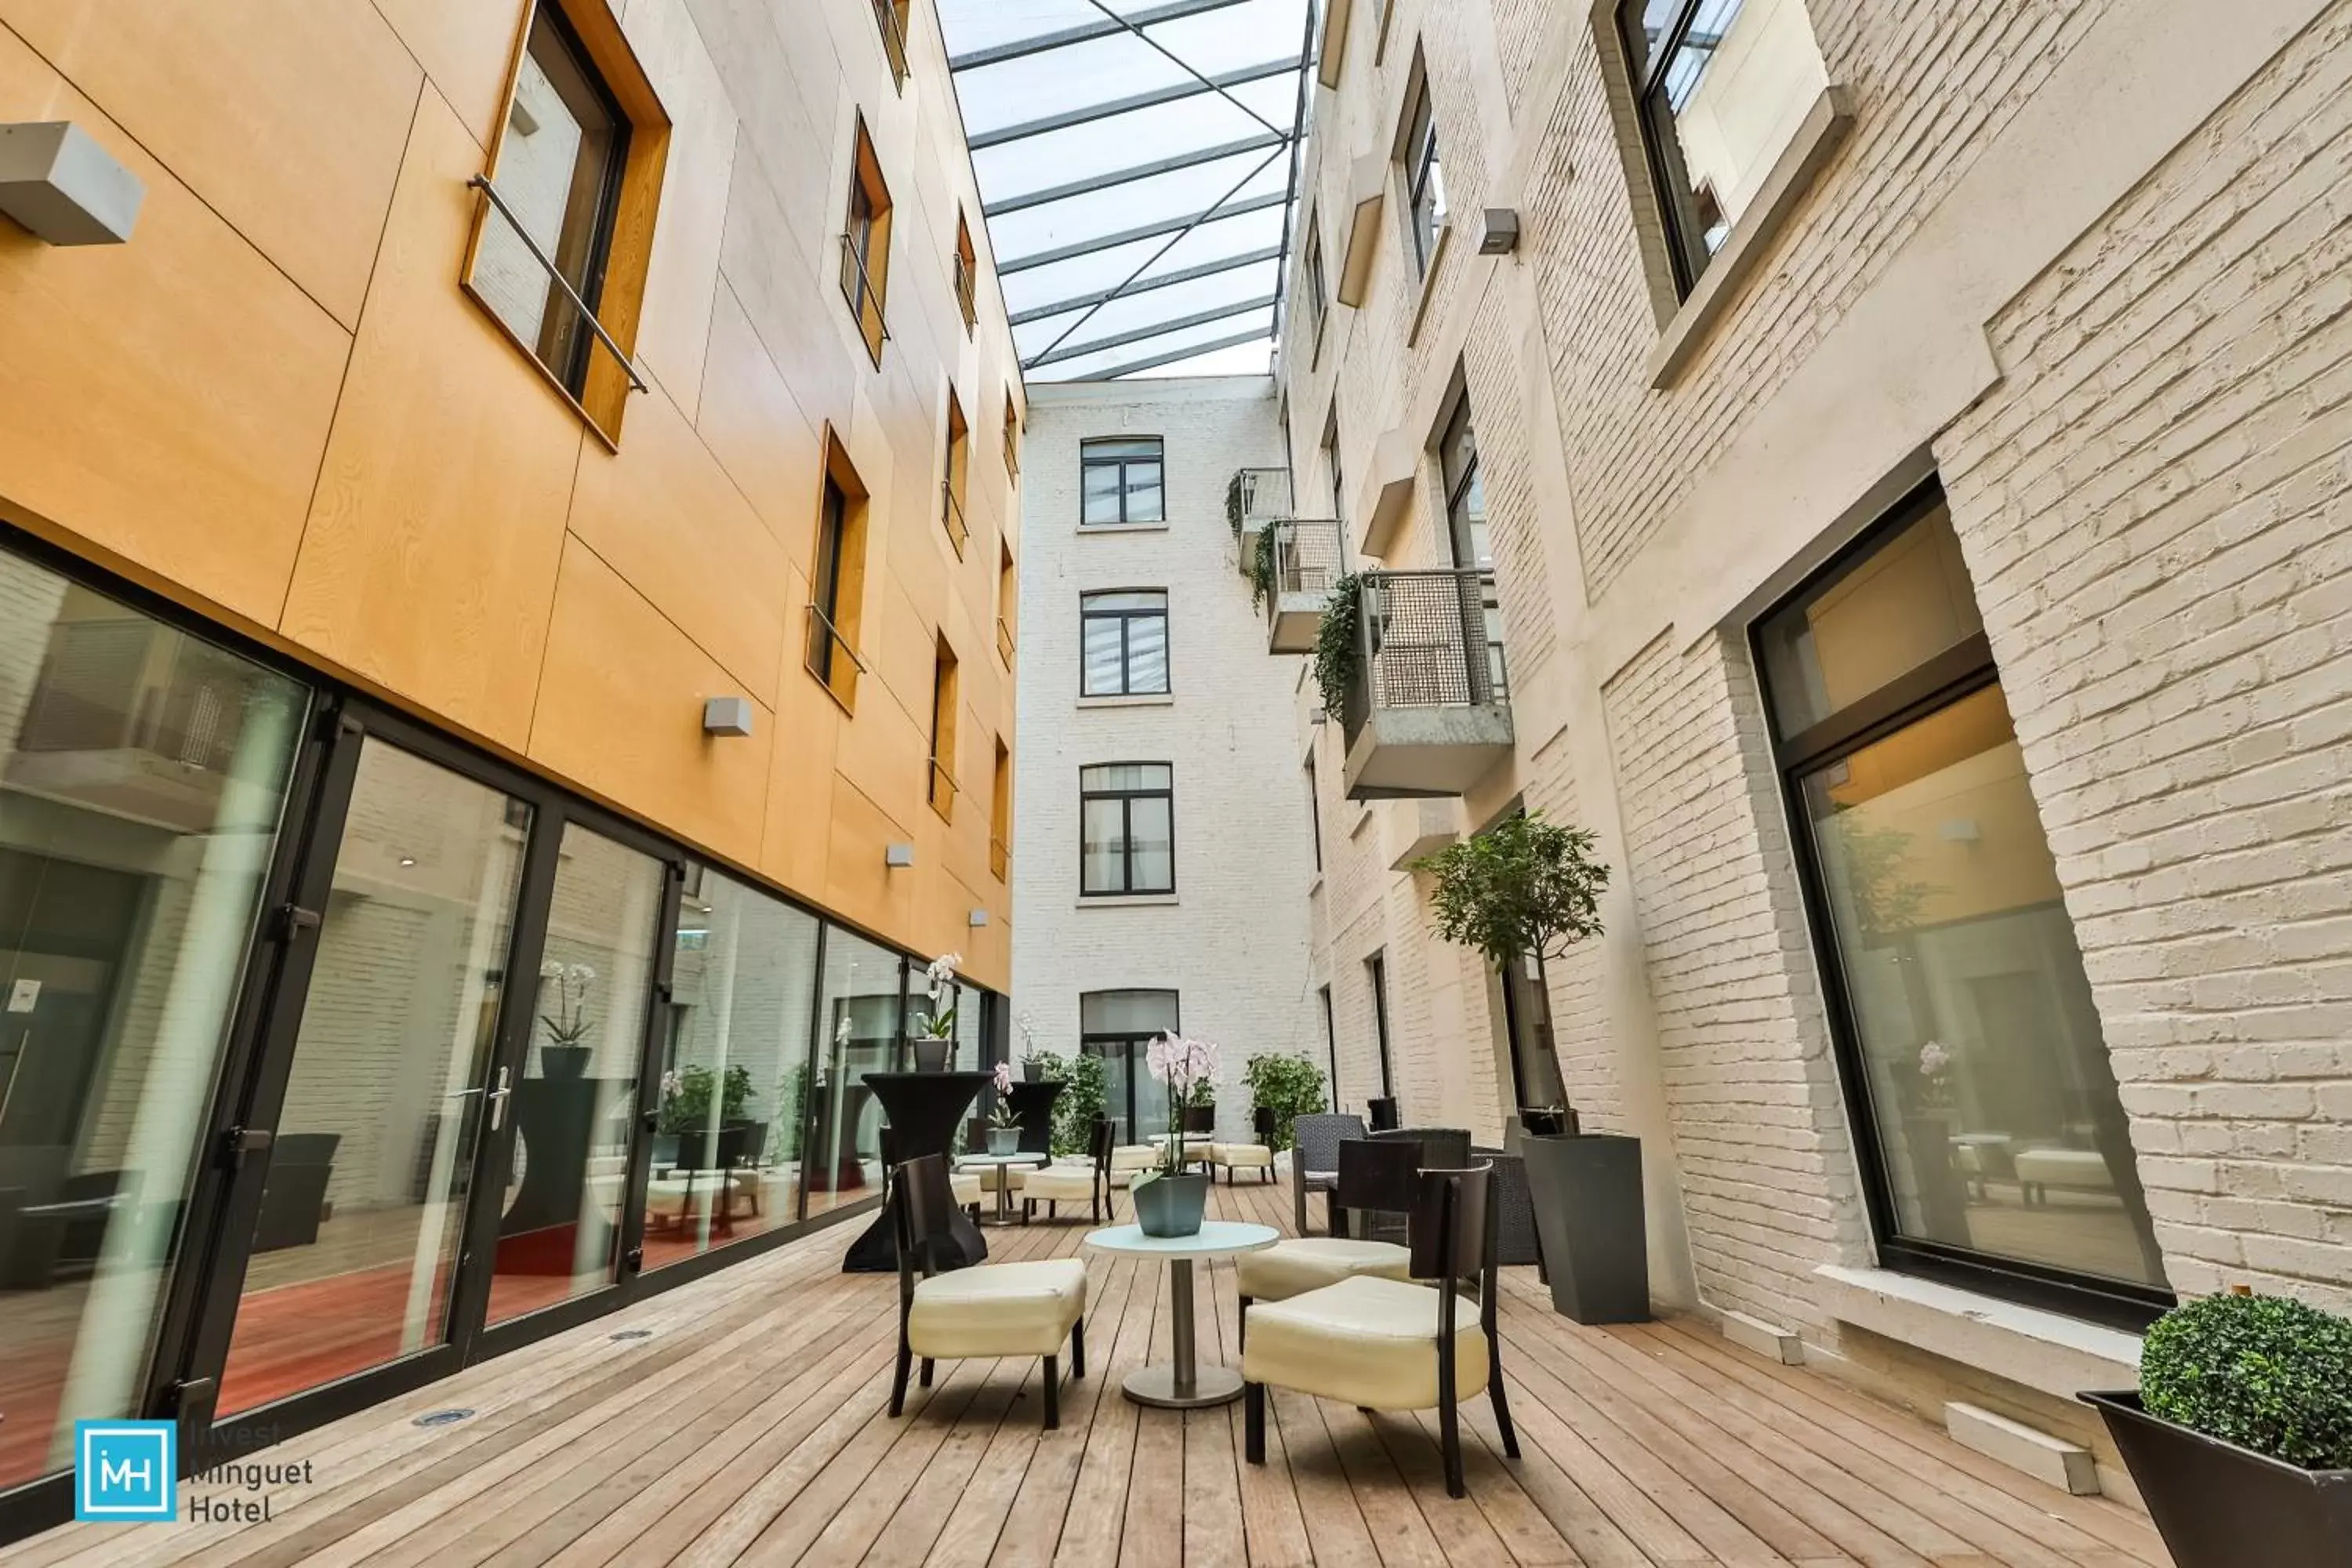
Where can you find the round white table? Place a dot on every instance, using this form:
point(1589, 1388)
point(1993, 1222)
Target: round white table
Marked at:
point(1184, 1384)
point(1003, 1187)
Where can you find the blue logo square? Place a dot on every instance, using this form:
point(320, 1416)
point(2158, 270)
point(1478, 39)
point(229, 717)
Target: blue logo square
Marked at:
point(126, 1471)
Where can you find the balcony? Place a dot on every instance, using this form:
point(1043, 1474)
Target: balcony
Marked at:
point(1297, 561)
point(1255, 500)
point(1428, 705)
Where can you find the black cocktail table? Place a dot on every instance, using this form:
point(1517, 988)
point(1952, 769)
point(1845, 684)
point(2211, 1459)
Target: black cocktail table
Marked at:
point(924, 1109)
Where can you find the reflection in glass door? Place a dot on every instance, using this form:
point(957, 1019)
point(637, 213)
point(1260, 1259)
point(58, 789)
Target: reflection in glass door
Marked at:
point(363, 1211)
point(572, 1107)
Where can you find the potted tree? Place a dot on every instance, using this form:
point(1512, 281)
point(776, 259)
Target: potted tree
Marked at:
point(1529, 886)
point(2240, 1435)
point(1171, 1200)
point(1289, 1086)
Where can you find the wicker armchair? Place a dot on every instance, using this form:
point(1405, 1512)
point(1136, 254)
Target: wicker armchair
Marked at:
point(1515, 1208)
point(1315, 1160)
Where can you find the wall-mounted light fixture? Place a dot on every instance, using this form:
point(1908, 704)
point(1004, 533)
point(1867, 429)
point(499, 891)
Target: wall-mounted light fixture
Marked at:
point(897, 855)
point(65, 187)
point(979, 919)
point(1499, 232)
point(727, 716)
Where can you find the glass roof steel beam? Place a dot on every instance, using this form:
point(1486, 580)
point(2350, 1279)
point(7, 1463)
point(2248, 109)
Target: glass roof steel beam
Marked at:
point(1161, 281)
point(1148, 231)
point(1085, 33)
point(1146, 333)
point(1173, 93)
point(1189, 351)
point(1189, 159)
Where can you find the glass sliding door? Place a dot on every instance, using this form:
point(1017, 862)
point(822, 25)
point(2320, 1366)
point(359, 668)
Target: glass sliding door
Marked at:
point(735, 1071)
point(574, 1103)
point(858, 1021)
point(353, 1256)
point(143, 776)
point(1118, 1027)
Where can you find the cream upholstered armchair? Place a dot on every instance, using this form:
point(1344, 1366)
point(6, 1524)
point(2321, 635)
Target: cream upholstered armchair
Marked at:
point(1384, 1344)
point(990, 1309)
point(1094, 1182)
point(1258, 1156)
point(1371, 1178)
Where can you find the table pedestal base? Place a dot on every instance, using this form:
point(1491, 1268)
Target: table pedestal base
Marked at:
point(1156, 1386)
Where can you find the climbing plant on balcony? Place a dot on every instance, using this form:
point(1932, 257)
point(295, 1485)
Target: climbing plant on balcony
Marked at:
point(1338, 648)
point(1524, 886)
point(1261, 567)
point(1234, 501)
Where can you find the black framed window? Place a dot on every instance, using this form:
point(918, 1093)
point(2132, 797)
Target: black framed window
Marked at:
point(1118, 1027)
point(1741, 116)
point(1125, 638)
point(1122, 481)
point(1330, 1044)
point(1992, 1141)
point(1311, 279)
point(1331, 468)
point(558, 175)
point(1424, 177)
point(1376, 975)
point(1126, 841)
point(832, 542)
point(1314, 812)
point(1465, 492)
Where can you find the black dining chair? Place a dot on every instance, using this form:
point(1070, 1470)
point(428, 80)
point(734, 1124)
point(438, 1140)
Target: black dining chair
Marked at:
point(1382, 1111)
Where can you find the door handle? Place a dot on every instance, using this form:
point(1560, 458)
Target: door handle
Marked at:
point(497, 1099)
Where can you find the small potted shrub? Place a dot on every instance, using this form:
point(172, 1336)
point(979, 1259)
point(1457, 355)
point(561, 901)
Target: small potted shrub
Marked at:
point(2240, 1435)
point(1529, 886)
point(1289, 1086)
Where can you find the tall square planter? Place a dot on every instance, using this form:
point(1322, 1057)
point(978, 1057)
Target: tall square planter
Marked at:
point(1587, 1192)
point(2217, 1505)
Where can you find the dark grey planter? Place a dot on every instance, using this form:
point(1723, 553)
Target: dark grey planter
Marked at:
point(1004, 1139)
point(1587, 1193)
point(1171, 1206)
point(2214, 1501)
point(932, 1056)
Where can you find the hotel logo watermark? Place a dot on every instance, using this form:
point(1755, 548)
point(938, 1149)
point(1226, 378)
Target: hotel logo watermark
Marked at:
point(125, 1472)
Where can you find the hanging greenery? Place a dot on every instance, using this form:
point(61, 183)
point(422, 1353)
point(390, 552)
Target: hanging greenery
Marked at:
point(1234, 501)
point(1261, 567)
point(1338, 648)
point(1525, 886)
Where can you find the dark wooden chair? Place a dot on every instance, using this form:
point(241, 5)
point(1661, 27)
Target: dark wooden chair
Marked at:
point(1373, 1177)
point(988, 1311)
point(1341, 1343)
point(1067, 1184)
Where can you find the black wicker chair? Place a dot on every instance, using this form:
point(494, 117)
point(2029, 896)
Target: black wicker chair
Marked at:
point(1315, 1143)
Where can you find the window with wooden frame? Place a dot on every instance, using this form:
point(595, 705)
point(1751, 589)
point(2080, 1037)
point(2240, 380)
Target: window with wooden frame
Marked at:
point(892, 17)
point(953, 487)
point(865, 246)
point(966, 274)
point(1012, 433)
point(1000, 815)
point(942, 791)
point(1007, 590)
point(564, 220)
point(837, 578)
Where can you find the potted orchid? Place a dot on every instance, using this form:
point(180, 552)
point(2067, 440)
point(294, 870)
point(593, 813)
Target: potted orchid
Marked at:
point(566, 1051)
point(1169, 1201)
point(1004, 1122)
point(935, 1046)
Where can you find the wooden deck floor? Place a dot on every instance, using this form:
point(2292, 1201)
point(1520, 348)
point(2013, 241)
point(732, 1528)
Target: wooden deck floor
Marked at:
point(748, 1426)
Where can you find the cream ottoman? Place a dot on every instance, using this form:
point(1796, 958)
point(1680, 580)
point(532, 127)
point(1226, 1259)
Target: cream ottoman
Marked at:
point(1232, 1157)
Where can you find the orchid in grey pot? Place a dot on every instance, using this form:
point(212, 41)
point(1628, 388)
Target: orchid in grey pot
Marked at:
point(1168, 1201)
point(1004, 1122)
point(935, 1043)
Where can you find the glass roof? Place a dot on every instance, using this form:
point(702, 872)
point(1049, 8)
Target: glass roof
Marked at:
point(1138, 168)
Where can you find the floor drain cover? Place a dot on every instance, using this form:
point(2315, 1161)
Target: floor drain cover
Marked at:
point(441, 1417)
point(634, 1334)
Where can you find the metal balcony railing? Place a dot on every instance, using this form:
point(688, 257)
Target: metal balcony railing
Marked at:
point(967, 291)
point(951, 515)
point(1000, 858)
point(1003, 640)
point(555, 274)
point(894, 39)
point(943, 790)
point(1260, 496)
point(831, 659)
point(1426, 639)
point(865, 300)
point(1306, 558)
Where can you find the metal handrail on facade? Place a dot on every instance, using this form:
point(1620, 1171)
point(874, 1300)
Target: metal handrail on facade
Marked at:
point(1000, 858)
point(1306, 558)
point(894, 40)
point(967, 290)
point(1004, 639)
point(826, 649)
point(1423, 642)
point(1264, 496)
point(944, 788)
point(864, 297)
point(482, 183)
point(951, 514)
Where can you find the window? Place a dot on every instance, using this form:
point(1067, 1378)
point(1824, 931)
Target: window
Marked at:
point(959, 464)
point(1466, 495)
point(559, 256)
point(1332, 1044)
point(1376, 976)
point(865, 246)
point(1313, 813)
point(1124, 638)
point(943, 732)
point(1120, 481)
point(1722, 87)
point(1332, 470)
point(1317, 301)
point(1000, 815)
point(1992, 1140)
point(966, 274)
point(1007, 590)
point(1425, 175)
point(838, 592)
point(862, 1017)
point(892, 17)
point(1012, 433)
point(1127, 833)
point(1118, 1027)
